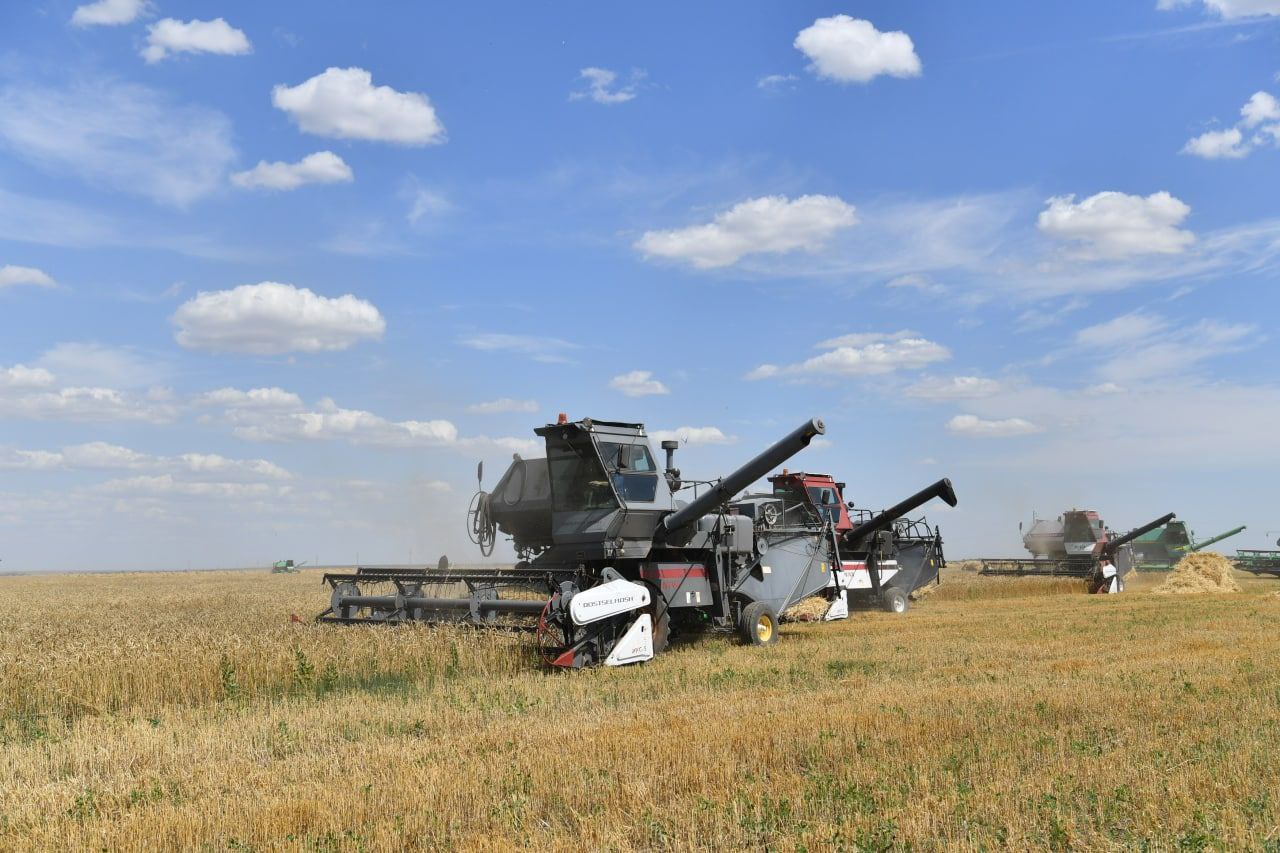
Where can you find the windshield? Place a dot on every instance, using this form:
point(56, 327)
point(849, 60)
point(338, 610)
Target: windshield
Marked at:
point(827, 502)
point(1078, 528)
point(631, 469)
point(788, 491)
point(578, 481)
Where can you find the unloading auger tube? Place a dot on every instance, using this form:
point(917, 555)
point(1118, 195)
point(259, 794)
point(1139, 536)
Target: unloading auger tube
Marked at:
point(1110, 548)
point(1212, 540)
point(719, 493)
point(941, 489)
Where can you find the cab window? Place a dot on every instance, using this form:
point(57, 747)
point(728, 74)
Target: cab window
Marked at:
point(631, 469)
point(827, 502)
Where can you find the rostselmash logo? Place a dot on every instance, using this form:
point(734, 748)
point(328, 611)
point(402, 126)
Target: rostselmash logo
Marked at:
point(619, 600)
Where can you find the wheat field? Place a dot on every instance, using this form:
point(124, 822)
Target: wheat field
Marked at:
point(186, 710)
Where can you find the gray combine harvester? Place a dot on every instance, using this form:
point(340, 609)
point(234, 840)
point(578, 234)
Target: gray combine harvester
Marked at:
point(611, 564)
point(1073, 546)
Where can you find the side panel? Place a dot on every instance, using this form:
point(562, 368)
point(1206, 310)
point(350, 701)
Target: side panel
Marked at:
point(795, 568)
point(917, 565)
point(682, 584)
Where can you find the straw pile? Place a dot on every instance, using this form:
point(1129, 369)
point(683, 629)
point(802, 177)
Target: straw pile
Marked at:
point(1204, 572)
point(811, 609)
point(924, 591)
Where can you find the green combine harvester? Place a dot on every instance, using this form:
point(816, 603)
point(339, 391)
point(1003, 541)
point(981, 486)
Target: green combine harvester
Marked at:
point(1159, 550)
point(1258, 562)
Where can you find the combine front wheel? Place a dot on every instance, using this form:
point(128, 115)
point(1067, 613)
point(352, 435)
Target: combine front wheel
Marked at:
point(759, 624)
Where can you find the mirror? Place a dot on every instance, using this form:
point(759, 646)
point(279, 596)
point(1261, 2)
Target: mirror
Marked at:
point(480, 472)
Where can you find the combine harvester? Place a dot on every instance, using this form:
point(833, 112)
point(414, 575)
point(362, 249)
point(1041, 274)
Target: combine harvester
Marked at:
point(1258, 562)
point(1159, 550)
point(611, 564)
point(1073, 546)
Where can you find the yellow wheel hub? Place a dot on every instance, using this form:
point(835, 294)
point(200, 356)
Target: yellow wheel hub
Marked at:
point(764, 628)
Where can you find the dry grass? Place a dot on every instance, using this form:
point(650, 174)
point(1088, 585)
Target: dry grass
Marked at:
point(161, 711)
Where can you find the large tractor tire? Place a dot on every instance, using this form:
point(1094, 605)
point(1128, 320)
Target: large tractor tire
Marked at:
point(758, 624)
point(894, 600)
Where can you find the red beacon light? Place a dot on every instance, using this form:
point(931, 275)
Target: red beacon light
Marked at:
point(562, 418)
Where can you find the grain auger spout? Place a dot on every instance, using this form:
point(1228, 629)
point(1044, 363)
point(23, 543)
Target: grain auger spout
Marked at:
point(1111, 548)
point(884, 520)
point(719, 493)
point(1212, 540)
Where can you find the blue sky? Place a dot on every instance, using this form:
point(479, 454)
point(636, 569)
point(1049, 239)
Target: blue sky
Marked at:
point(274, 276)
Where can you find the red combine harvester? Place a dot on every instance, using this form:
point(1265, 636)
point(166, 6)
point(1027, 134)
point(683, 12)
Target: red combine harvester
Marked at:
point(881, 571)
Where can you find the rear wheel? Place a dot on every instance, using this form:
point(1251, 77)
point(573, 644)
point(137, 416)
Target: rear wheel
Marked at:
point(759, 624)
point(895, 600)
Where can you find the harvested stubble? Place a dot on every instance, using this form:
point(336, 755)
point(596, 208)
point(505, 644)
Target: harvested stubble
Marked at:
point(1203, 572)
point(980, 723)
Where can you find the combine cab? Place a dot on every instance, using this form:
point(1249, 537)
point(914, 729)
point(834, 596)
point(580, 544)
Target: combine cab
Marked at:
point(612, 563)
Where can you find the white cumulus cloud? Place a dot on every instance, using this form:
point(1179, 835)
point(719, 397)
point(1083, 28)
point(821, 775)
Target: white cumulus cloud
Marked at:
point(276, 415)
point(108, 13)
point(103, 456)
point(322, 167)
point(12, 276)
point(1261, 106)
point(120, 136)
point(600, 86)
point(1217, 144)
point(33, 393)
point(770, 224)
point(168, 485)
point(270, 318)
point(953, 388)
point(169, 36)
point(638, 383)
point(972, 425)
point(502, 405)
point(21, 376)
point(255, 398)
point(861, 354)
point(344, 103)
point(330, 421)
point(1117, 225)
point(1259, 125)
point(851, 50)
point(693, 435)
